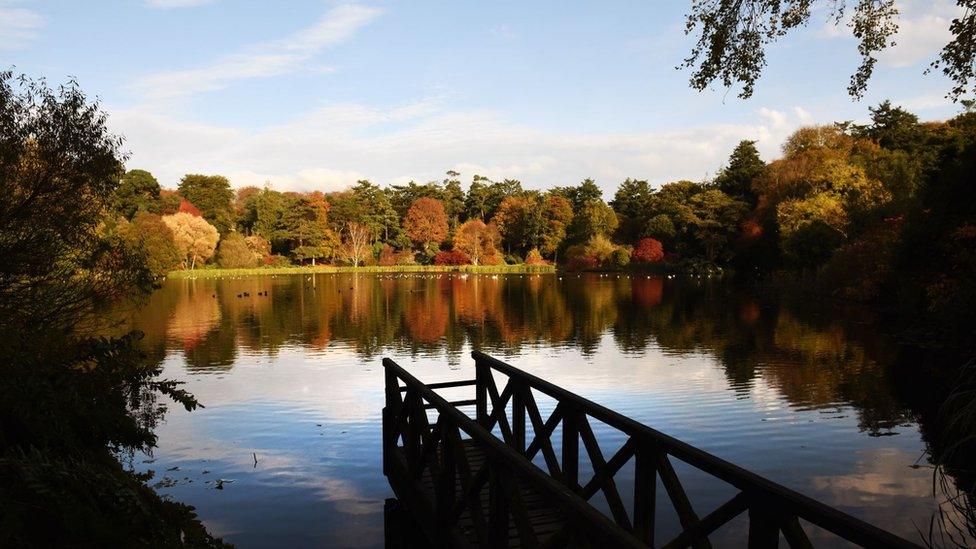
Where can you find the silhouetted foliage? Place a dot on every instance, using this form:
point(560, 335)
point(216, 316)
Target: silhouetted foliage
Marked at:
point(70, 403)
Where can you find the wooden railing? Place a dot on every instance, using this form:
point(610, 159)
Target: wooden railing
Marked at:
point(415, 450)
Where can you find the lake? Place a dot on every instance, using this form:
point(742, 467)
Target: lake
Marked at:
point(807, 394)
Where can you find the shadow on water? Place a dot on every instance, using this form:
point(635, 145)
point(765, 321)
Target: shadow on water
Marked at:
point(810, 394)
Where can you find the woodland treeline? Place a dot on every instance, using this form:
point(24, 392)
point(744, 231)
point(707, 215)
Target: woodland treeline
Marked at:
point(880, 209)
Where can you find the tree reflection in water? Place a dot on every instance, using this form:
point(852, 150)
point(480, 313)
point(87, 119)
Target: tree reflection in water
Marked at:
point(817, 356)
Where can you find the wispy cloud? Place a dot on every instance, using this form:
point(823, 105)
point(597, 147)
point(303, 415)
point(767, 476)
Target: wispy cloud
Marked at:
point(262, 60)
point(18, 26)
point(332, 147)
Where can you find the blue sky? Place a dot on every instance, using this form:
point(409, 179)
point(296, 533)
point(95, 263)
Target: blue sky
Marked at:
point(316, 94)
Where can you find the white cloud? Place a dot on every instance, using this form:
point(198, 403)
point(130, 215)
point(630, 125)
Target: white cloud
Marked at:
point(923, 29)
point(924, 102)
point(334, 146)
point(263, 60)
point(18, 26)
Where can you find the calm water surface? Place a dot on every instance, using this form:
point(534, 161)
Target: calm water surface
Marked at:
point(293, 389)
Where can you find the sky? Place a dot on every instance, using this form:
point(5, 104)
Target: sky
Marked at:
point(314, 94)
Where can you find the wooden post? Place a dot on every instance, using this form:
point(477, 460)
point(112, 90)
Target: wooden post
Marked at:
point(390, 413)
point(518, 416)
point(763, 529)
point(498, 508)
point(645, 492)
point(571, 448)
point(446, 487)
point(481, 392)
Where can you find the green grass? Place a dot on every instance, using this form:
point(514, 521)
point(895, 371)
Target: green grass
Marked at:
point(475, 269)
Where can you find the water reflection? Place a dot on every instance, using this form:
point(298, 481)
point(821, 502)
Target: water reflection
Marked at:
point(805, 396)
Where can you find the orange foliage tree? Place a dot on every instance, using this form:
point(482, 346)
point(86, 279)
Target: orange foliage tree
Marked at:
point(426, 223)
point(476, 240)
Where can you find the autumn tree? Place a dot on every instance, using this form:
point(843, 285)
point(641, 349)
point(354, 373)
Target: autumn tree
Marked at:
point(818, 195)
point(213, 196)
point(426, 224)
point(519, 220)
point(476, 240)
point(557, 215)
point(648, 250)
point(195, 238)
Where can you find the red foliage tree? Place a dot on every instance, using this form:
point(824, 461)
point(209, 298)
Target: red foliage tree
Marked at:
point(187, 207)
point(452, 257)
point(648, 250)
point(387, 256)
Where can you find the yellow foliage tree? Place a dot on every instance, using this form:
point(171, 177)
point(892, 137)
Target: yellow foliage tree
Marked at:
point(195, 238)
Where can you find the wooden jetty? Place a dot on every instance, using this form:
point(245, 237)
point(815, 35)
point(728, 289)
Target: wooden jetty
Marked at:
point(466, 486)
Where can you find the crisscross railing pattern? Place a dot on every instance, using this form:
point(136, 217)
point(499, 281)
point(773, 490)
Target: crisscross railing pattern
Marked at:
point(772, 509)
point(468, 487)
point(462, 502)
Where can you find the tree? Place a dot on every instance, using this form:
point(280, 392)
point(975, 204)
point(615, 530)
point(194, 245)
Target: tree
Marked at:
point(150, 239)
point(594, 218)
point(476, 240)
point(476, 201)
point(357, 243)
point(234, 253)
point(818, 195)
point(403, 196)
point(744, 166)
point(138, 191)
point(245, 208)
point(519, 220)
point(716, 218)
point(426, 223)
point(557, 215)
point(452, 257)
point(630, 204)
point(306, 225)
point(213, 196)
point(259, 247)
point(453, 198)
point(648, 250)
point(732, 38)
point(584, 193)
point(195, 238)
point(72, 398)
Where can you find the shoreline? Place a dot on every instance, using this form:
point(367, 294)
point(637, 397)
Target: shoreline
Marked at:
point(330, 269)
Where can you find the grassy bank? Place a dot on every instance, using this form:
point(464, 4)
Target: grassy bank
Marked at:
point(474, 269)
